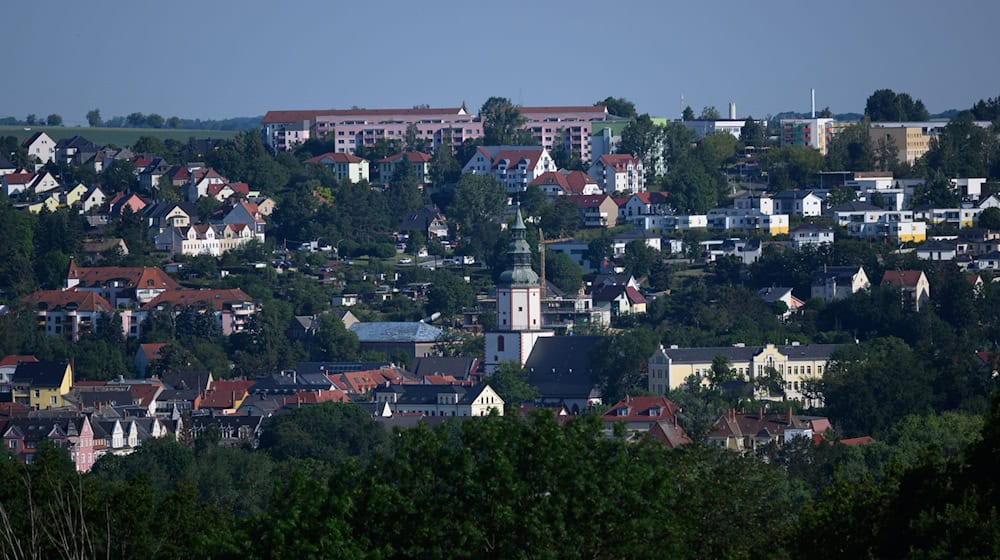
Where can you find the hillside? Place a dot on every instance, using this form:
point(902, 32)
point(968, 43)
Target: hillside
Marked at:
point(115, 136)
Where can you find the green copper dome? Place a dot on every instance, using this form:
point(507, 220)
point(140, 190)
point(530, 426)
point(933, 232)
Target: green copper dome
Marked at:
point(521, 276)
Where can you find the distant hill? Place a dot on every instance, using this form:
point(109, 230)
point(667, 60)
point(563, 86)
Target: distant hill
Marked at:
point(852, 117)
point(116, 136)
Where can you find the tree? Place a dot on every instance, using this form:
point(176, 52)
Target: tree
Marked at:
point(687, 114)
point(640, 258)
point(333, 341)
point(617, 362)
point(990, 219)
point(54, 120)
point(643, 139)
point(599, 249)
point(709, 113)
point(863, 389)
point(887, 105)
point(444, 168)
point(173, 122)
point(135, 120)
point(449, 294)
point(962, 149)
point(151, 145)
point(120, 176)
point(94, 118)
point(154, 120)
point(561, 218)
point(792, 166)
point(851, 150)
point(501, 121)
point(510, 381)
point(412, 142)
point(329, 432)
point(938, 192)
point(721, 372)
point(31, 119)
point(753, 133)
point(478, 198)
point(692, 189)
point(619, 107)
point(563, 272)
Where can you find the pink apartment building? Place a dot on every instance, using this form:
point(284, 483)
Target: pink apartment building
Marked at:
point(353, 128)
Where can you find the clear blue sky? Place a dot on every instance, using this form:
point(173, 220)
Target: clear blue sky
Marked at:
point(225, 58)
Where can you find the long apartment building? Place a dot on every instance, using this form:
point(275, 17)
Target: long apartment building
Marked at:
point(351, 129)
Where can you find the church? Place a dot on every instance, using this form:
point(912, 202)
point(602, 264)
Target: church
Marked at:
point(519, 307)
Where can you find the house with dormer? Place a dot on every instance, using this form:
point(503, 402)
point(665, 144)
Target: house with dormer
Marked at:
point(419, 165)
point(747, 432)
point(68, 313)
point(247, 214)
point(232, 308)
point(515, 167)
point(42, 385)
point(21, 437)
point(343, 165)
point(563, 183)
point(838, 282)
point(639, 414)
point(619, 173)
point(441, 400)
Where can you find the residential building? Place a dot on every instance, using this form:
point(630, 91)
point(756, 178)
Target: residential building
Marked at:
point(441, 400)
point(838, 282)
point(958, 218)
point(747, 251)
point(163, 216)
point(747, 221)
point(519, 300)
point(68, 313)
point(566, 183)
point(42, 385)
point(419, 165)
point(911, 142)
point(621, 299)
point(232, 309)
point(93, 200)
point(746, 432)
point(75, 150)
point(596, 210)
point(937, 250)
point(75, 434)
point(646, 204)
point(784, 295)
point(913, 284)
point(815, 133)
point(415, 339)
point(811, 235)
point(245, 213)
point(428, 221)
point(606, 136)
point(41, 146)
point(146, 355)
point(761, 203)
point(345, 166)
point(121, 286)
point(619, 173)
point(798, 203)
point(798, 364)
point(640, 414)
point(704, 127)
point(513, 166)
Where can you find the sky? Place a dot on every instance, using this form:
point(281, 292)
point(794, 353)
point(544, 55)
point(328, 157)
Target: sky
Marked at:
point(228, 58)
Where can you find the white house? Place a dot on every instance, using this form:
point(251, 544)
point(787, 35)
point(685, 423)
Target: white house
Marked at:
point(798, 203)
point(619, 173)
point(810, 235)
point(344, 165)
point(838, 282)
point(41, 146)
point(513, 166)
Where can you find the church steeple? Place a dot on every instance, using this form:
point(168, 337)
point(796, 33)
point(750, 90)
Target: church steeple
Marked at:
point(520, 275)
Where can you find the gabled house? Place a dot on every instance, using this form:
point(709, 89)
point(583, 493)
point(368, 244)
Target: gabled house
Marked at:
point(162, 216)
point(17, 182)
point(74, 434)
point(122, 203)
point(42, 385)
point(44, 182)
point(798, 203)
point(937, 250)
point(515, 167)
point(639, 414)
point(913, 284)
point(94, 199)
point(784, 295)
point(838, 282)
point(428, 221)
point(623, 300)
point(418, 162)
point(6, 167)
point(619, 173)
point(74, 195)
point(49, 202)
point(560, 183)
point(344, 165)
point(646, 204)
point(146, 355)
point(559, 367)
point(204, 239)
point(746, 432)
point(417, 339)
point(232, 308)
point(41, 146)
point(441, 400)
point(75, 150)
point(121, 286)
point(224, 191)
point(226, 396)
point(232, 429)
point(247, 214)
point(199, 181)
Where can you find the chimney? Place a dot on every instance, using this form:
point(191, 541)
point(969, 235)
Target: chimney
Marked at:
point(732, 110)
point(813, 94)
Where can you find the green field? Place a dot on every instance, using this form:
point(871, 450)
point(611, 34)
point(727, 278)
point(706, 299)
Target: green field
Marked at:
point(115, 136)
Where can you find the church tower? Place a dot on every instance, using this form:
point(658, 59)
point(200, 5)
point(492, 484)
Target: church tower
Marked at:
point(519, 306)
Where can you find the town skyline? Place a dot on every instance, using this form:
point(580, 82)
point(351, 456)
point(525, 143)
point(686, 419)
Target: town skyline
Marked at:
point(227, 63)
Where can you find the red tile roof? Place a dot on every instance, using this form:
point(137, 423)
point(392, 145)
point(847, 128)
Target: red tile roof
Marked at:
point(15, 359)
point(619, 162)
point(573, 182)
point(902, 278)
point(83, 300)
point(634, 296)
point(145, 393)
point(147, 278)
point(225, 393)
point(551, 178)
point(587, 200)
point(567, 109)
point(514, 157)
point(412, 157)
point(336, 157)
point(863, 440)
point(152, 350)
point(642, 409)
point(309, 114)
point(217, 298)
point(651, 197)
point(360, 382)
point(18, 178)
point(578, 180)
point(313, 397)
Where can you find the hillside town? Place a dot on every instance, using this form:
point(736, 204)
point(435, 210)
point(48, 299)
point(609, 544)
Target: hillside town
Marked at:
point(791, 291)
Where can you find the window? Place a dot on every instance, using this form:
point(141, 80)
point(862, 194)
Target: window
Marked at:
point(500, 343)
point(12, 444)
point(52, 400)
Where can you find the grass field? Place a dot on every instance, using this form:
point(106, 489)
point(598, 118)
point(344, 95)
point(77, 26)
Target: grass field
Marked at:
point(115, 136)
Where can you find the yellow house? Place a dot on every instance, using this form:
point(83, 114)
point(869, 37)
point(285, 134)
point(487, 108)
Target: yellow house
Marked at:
point(797, 364)
point(50, 202)
point(75, 195)
point(42, 385)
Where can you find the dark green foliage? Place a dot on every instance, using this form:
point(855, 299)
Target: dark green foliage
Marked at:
point(887, 105)
point(563, 272)
point(510, 381)
point(329, 432)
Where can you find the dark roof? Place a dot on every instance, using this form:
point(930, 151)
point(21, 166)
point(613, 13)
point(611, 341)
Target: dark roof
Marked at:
point(35, 428)
point(559, 367)
point(428, 394)
point(746, 353)
point(5, 163)
point(292, 382)
point(187, 380)
point(39, 374)
point(78, 142)
point(794, 194)
point(936, 246)
point(91, 399)
point(161, 209)
point(338, 367)
point(855, 206)
point(419, 220)
point(839, 272)
point(457, 366)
